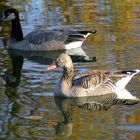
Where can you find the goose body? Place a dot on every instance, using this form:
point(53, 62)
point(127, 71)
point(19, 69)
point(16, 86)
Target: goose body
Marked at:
point(42, 40)
point(96, 82)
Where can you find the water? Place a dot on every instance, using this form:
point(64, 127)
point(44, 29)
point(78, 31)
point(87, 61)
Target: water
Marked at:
point(30, 111)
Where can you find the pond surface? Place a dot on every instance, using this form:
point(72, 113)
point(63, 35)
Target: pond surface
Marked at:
point(28, 108)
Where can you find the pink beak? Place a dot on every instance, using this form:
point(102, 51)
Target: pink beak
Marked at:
point(52, 66)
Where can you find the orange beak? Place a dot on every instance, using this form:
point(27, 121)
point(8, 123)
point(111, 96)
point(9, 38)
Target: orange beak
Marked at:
point(52, 66)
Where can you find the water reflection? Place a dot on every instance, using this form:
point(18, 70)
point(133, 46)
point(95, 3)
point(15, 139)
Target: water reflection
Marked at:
point(94, 103)
point(23, 103)
point(13, 78)
point(66, 105)
point(77, 55)
point(36, 117)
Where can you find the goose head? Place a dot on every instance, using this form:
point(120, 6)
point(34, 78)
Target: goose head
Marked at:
point(64, 61)
point(9, 15)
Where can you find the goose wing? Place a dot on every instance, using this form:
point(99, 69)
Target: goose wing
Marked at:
point(66, 36)
point(102, 78)
point(91, 79)
point(39, 37)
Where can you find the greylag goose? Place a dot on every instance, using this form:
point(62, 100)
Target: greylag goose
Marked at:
point(42, 40)
point(96, 82)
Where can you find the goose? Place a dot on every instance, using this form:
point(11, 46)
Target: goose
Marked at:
point(42, 40)
point(93, 83)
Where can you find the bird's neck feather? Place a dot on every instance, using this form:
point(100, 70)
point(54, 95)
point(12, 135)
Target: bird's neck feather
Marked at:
point(68, 75)
point(16, 32)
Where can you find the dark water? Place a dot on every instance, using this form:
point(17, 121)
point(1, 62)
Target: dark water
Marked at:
point(30, 111)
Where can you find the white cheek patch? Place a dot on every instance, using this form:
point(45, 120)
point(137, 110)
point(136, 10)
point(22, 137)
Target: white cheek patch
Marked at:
point(10, 17)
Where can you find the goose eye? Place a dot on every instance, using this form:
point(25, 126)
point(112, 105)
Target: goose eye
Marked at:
point(59, 60)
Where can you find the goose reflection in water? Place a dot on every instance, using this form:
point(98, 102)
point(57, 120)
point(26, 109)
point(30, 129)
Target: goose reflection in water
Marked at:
point(77, 55)
point(25, 110)
point(13, 78)
point(94, 103)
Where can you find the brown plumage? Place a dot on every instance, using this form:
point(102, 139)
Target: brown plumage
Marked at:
point(96, 82)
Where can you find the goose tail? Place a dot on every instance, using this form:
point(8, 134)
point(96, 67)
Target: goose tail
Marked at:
point(124, 80)
point(93, 31)
point(76, 39)
point(132, 72)
point(137, 71)
point(85, 33)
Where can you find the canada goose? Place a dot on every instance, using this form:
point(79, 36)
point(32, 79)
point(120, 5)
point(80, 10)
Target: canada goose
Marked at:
point(96, 82)
point(42, 40)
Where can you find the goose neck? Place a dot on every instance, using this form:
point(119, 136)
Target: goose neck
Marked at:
point(16, 32)
point(68, 75)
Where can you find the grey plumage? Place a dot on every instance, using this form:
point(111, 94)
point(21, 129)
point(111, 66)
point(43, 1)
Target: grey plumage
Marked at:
point(96, 82)
point(42, 40)
point(66, 36)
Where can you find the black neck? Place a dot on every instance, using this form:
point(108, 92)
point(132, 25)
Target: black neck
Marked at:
point(16, 32)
